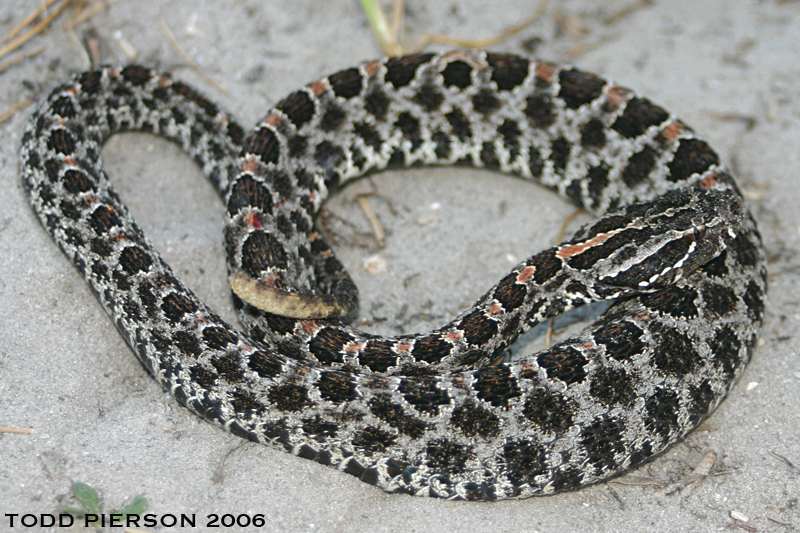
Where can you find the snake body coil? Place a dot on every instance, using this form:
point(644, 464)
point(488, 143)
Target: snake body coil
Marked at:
point(424, 414)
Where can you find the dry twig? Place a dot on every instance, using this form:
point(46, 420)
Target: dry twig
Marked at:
point(8, 63)
point(15, 107)
point(374, 221)
point(86, 14)
point(23, 431)
point(189, 61)
point(27, 20)
point(625, 12)
point(389, 34)
point(38, 28)
point(485, 43)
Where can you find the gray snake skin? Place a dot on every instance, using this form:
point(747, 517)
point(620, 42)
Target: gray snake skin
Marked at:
point(425, 414)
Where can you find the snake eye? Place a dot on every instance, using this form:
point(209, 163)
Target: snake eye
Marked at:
point(699, 232)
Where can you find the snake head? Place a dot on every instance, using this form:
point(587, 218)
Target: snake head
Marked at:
point(646, 247)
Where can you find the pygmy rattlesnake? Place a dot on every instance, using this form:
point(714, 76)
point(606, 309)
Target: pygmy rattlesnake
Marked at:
point(424, 414)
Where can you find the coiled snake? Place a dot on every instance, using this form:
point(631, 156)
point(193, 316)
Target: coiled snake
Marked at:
point(424, 414)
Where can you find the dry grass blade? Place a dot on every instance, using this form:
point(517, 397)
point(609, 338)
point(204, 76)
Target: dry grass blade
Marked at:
point(701, 472)
point(398, 20)
point(385, 33)
point(22, 431)
point(25, 37)
point(784, 459)
point(374, 221)
point(627, 11)
point(567, 222)
point(15, 107)
point(27, 20)
point(485, 43)
point(389, 33)
point(8, 63)
point(86, 14)
point(189, 61)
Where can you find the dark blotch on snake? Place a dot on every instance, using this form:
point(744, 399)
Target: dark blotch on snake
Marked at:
point(346, 83)
point(509, 71)
point(564, 363)
point(579, 88)
point(401, 70)
point(457, 74)
point(298, 107)
point(639, 114)
point(693, 156)
point(260, 251)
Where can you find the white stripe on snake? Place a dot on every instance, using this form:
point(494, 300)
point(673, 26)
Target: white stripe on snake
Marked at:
point(424, 414)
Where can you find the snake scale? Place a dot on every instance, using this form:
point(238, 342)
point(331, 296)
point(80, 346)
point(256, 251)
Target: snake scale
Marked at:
point(424, 414)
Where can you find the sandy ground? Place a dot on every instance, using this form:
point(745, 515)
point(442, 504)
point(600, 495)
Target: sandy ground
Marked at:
point(730, 68)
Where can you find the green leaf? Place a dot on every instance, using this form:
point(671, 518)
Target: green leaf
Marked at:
point(88, 498)
point(136, 506)
point(378, 22)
